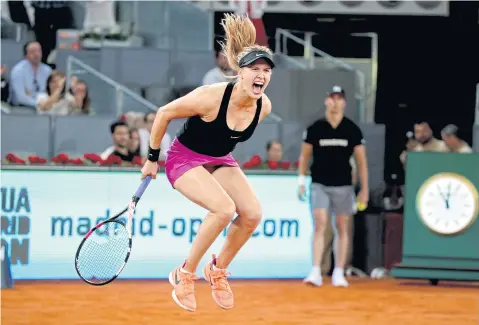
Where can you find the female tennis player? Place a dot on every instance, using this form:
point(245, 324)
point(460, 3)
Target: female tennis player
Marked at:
point(199, 163)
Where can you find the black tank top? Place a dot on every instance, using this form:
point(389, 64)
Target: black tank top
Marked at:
point(215, 138)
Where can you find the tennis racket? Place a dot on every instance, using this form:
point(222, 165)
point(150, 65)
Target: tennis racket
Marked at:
point(105, 249)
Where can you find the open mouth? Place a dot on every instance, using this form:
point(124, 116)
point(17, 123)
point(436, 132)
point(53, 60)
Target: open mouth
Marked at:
point(257, 87)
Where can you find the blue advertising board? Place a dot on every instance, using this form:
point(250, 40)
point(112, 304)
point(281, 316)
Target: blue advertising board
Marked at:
point(46, 213)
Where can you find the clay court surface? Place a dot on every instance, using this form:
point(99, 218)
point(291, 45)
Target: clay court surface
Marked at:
point(366, 302)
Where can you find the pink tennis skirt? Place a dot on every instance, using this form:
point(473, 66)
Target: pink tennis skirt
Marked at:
point(180, 159)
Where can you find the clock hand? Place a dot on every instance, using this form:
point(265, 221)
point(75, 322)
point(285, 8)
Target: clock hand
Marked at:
point(449, 190)
point(446, 199)
point(448, 195)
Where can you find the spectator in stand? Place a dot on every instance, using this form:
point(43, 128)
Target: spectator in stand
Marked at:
point(120, 135)
point(57, 101)
point(134, 146)
point(274, 151)
point(218, 73)
point(273, 160)
point(4, 84)
point(145, 137)
point(452, 140)
point(423, 141)
point(81, 104)
point(50, 16)
point(29, 77)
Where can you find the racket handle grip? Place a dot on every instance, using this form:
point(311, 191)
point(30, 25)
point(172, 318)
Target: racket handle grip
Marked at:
point(142, 187)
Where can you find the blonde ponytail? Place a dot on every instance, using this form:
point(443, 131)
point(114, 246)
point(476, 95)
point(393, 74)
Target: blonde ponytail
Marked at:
point(240, 34)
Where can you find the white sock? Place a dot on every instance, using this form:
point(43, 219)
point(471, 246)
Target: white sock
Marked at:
point(316, 270)
point(182, 270)
point(215, 268)
point(338, 270)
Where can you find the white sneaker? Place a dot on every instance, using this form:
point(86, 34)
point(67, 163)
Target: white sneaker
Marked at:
point(338, 280)
point(314, 279)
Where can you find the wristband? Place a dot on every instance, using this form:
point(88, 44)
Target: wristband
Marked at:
point(153, 154)
point(301, 179)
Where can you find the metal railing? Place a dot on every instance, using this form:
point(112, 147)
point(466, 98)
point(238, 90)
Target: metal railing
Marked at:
point(281, 38)
point(120, 90)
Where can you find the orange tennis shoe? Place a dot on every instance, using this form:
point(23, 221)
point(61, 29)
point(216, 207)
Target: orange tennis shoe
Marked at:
point(221, 290)
point(183, 288)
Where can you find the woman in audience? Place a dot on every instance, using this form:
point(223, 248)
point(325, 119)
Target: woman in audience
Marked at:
point(57, 101)
point(81, 104)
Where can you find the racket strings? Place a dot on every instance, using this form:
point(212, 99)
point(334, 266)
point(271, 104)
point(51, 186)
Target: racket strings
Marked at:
point(103, 254)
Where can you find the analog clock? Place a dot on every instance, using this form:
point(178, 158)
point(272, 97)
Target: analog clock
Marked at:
point(447, 203)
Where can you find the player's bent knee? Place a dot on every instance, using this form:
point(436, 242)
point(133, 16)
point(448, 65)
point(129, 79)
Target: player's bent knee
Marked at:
point(226, 211)
point(251, 217)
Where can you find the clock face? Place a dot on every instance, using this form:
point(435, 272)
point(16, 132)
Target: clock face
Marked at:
point(447, 203)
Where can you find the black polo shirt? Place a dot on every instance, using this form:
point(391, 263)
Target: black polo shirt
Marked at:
point(332, 150)
point(129, 157)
